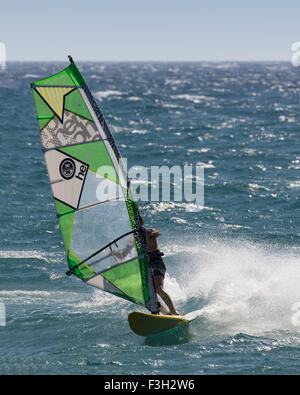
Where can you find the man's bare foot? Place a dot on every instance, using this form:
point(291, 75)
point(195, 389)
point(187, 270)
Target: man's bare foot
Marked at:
point(175, 313)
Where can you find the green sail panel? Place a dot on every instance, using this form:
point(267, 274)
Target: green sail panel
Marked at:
point(127, 278)
point(75, 104)
point(45, 114)
point(97, 215)
point(67, 77)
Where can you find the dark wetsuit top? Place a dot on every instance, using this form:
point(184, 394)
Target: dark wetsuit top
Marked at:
point(157, 265)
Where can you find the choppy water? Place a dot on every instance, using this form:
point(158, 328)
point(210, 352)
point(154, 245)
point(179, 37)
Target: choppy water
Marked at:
point(235, 264)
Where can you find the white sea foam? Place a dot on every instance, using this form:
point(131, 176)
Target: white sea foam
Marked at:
point(193, 98)
point(245, 287)
point(134, 98)
point(22, 293)
point(254, 187)
point(295, 164)
point(294, 184)
point(169, 81)
point(25, 254)
point(34, 76)
point(37, 296)
point(208, 165)
point(178, 220)
point(142, 131)
point(102, 302)
point(157, 207)
point(104, 94)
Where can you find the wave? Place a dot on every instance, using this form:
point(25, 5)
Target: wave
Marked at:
point(26, 254)
point(295, 184)
point(192, 98)
point(33, 76)
point(104, 94)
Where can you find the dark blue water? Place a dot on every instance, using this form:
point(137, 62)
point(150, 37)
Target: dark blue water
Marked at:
point(234, 264)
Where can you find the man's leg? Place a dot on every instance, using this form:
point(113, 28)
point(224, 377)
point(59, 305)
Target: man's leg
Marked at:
point(159, 283)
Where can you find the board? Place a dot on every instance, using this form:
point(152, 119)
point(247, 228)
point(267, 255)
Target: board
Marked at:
point(144, 324)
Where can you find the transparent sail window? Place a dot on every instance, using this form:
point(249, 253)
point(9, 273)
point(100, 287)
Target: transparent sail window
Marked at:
point(97, 226)
point(119, 252)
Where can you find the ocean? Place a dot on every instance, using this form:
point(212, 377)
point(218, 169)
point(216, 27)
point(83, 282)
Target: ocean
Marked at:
point(234, 264)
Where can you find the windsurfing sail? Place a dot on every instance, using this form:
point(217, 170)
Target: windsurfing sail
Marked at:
point(97, 213)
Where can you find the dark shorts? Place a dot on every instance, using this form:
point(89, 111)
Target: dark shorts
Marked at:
point(158, 267)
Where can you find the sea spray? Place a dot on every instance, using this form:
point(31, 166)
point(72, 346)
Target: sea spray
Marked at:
point(240, 286)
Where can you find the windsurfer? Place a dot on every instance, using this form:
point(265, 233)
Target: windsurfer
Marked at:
point(158, 267)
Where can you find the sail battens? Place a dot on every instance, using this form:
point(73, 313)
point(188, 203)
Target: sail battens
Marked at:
point(97, 252)
point(67, 145)
point(97, 203)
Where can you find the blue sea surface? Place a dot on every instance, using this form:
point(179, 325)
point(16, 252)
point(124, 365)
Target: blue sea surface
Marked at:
point(234, 265)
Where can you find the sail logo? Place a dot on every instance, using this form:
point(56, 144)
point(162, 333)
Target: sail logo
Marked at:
point(82, 172)
point(67, 168)
point(67, 176)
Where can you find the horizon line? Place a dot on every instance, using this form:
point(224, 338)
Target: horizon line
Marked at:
point(155, 61)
